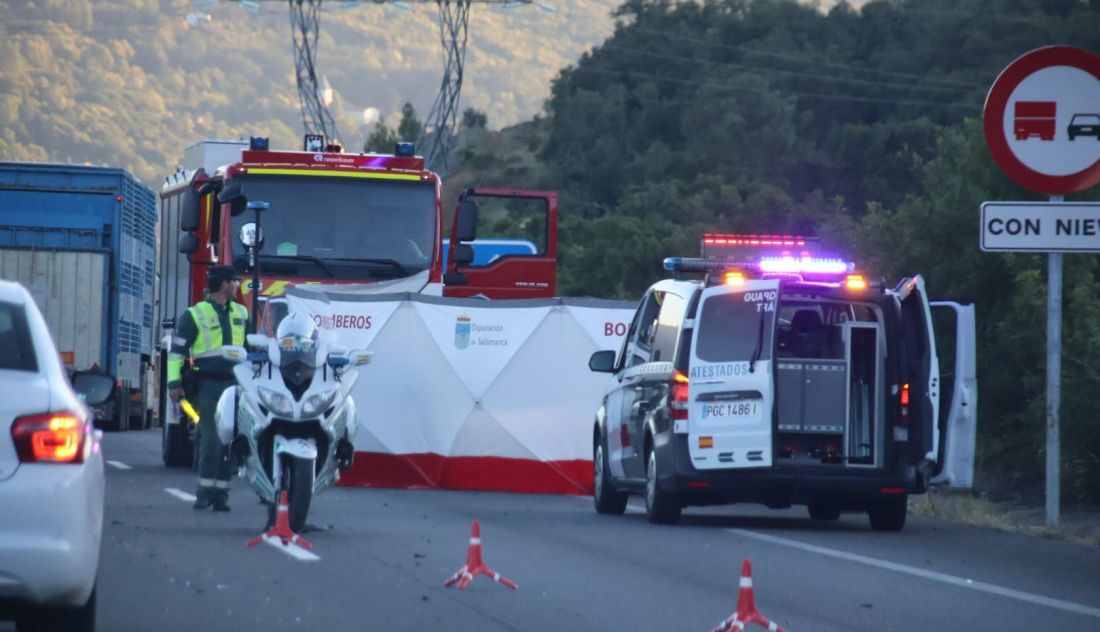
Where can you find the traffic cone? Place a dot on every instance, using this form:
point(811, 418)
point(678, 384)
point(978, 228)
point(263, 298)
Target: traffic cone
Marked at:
point(281, 529)
point(475, 565)
point(746, 606)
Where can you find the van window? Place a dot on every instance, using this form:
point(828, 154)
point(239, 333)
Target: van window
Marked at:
point(16, 350)
point(732, 328)
point(668, 323)
point(639, 346)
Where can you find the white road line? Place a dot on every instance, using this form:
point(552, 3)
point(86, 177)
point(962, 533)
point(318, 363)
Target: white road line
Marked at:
point(993, 589)
point(1050, 602)
point(293, 550)
point(119, 464)
point(182, 495)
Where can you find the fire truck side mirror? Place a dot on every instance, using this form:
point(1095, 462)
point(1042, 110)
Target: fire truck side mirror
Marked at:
point(190, 211)
point(235, 197)
point(466, 222)
point(464, 254)
point(189, 244)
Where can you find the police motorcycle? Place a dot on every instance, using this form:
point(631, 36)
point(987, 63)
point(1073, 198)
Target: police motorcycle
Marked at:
point(291, 420)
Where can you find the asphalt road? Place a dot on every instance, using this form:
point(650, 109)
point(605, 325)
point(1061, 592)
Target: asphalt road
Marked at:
point(380, 557)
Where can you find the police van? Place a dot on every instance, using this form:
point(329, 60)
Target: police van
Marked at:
point(783, 377)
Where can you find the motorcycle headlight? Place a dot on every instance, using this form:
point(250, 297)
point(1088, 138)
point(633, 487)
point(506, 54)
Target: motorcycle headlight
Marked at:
point(277, 402)
point(317, 403)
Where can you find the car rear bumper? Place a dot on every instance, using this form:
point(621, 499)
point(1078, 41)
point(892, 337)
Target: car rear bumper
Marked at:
point(779, 485)
point(50, 530)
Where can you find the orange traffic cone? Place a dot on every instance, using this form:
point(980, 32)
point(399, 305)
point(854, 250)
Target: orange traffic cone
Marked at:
point(475, 565)
point(746, 607)
point(281, 529)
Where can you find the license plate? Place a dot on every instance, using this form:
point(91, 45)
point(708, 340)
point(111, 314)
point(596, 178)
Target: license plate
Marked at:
point(731, 410)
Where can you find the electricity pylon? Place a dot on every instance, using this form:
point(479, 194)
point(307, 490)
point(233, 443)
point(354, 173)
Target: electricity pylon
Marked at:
point(438, 135)
point(305, 25)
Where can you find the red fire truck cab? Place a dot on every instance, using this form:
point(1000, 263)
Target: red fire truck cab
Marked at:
point(334, 218)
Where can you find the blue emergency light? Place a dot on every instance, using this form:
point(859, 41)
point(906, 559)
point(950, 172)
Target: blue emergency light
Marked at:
point(258, 143)
point(404, 150)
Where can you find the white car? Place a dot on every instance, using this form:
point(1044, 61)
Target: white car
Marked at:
point(51, 477)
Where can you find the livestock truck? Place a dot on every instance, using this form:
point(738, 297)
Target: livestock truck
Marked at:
point(372, 221)
point(82, 240)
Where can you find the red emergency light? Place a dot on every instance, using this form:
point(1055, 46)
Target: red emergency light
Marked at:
point(744, 246)
point(753, 240)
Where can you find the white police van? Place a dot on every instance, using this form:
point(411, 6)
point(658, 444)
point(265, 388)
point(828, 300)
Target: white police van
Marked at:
point(783, 378)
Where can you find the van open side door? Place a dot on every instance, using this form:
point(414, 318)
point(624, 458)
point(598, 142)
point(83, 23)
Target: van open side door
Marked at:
point(919, 394)
point(958, 420)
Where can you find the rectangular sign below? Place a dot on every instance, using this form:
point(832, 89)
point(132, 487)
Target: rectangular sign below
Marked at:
point(1041, 226)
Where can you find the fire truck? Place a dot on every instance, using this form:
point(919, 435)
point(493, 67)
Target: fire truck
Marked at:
point(372, 220)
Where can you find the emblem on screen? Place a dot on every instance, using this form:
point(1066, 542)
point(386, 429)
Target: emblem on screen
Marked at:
point(462, 332)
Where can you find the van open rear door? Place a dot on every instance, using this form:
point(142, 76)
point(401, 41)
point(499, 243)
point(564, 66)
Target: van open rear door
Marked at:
point(958, 420)
point(920, 392)
point(730, 387)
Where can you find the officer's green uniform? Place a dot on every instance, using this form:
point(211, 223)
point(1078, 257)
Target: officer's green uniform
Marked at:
point(199, 331)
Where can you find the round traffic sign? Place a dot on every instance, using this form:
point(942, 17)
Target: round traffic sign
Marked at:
point(1042, 120)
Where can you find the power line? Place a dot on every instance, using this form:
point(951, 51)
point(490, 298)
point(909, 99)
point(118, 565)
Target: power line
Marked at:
point(906, 86)
point(797, 93)
point(804, 60)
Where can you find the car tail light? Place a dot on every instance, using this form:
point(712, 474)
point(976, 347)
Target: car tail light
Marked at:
point(679, 395)
point(903, 401)
point(57, 437)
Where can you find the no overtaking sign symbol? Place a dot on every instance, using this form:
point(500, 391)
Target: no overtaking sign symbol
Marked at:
point(1042, 120)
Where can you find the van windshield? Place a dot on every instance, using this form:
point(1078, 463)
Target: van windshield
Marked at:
point(736, 327)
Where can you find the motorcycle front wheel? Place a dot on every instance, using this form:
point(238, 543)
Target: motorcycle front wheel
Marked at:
point(297, 480)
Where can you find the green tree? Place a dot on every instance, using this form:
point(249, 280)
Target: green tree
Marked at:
point(474, 119)
point(381, 139)
point(410, 127)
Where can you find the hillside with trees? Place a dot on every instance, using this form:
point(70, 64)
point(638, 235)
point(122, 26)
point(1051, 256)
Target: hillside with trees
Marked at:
point(130, 83)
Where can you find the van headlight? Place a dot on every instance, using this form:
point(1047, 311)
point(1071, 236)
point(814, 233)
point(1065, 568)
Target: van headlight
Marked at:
point(277, 402)
point(318, 403)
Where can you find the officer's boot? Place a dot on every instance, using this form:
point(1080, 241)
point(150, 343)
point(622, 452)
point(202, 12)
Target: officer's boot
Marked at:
point(221, 500)
point(203, 498)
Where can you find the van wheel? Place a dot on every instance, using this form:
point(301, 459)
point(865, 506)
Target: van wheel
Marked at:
point(661, 507)
point(823, 511)
point(889, 515)
point(607, 499)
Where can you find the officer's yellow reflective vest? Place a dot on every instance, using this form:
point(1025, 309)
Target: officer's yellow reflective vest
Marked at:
point(209, 341)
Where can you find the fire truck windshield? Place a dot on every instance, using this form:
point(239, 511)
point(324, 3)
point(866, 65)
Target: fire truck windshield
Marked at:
point(345, 228)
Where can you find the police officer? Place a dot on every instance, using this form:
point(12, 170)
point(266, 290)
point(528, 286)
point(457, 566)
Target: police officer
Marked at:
point(201, 331)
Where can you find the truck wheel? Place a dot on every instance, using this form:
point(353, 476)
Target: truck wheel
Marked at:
point(889, 515)
point(608, 500)
point(141, 420)
point(176, 449)
point(121, 420)
point(661, 507)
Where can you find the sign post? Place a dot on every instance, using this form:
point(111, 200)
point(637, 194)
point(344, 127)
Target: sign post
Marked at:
point(1042, 125)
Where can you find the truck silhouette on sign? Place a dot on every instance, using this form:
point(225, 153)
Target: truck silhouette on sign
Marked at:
point(1035, 118)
